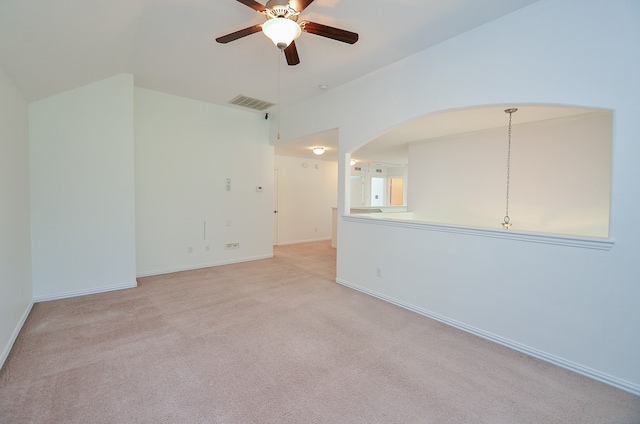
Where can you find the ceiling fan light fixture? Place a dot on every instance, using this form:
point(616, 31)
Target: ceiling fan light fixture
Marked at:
point(318, 150)
point(281, 31)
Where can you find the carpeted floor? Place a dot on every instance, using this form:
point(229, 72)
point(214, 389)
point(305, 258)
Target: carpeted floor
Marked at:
point(277, 341)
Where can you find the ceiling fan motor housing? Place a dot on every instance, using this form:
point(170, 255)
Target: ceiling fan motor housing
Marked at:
point(280, 9)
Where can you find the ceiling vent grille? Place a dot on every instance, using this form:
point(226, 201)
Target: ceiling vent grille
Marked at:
point(250, 102)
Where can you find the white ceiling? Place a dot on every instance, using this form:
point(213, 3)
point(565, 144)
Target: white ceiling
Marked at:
point(392, 147)
point(47, 47)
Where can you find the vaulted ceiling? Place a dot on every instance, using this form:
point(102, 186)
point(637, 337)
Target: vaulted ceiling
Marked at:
point(47, 47)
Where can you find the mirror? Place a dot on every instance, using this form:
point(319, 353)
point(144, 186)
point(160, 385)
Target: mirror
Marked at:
point(378, 185)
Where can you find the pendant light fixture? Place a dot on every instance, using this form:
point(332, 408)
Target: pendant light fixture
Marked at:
point(507, 221)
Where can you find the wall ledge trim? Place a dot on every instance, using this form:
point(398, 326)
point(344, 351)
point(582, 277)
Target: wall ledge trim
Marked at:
point(554, 239)
point(14, 335)
point(75, 293)
point(286, 243)
point(200, 266)
point(563, 363)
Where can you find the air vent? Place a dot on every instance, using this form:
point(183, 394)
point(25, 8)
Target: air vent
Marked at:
point(250, 102)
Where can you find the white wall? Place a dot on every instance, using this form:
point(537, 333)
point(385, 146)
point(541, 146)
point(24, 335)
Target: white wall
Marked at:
point(307, 190)
point(82, 190)
point(15, 240)
point(185, 151)
point(573, 306)
point(560, 177)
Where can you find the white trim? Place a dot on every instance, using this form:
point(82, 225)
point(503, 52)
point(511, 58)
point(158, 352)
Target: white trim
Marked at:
point(14, 335)
point(200, 266)
point(304, 241)
point(555, 239)
point(572, 366)
point(65, 295)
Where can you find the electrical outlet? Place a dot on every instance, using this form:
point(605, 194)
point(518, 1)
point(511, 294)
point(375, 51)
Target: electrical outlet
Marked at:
point(231, 246)
point(378, 272)
point(190, 249)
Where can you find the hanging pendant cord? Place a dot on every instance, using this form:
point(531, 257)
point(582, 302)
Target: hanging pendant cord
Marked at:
point(508, 169)
point(507, 224)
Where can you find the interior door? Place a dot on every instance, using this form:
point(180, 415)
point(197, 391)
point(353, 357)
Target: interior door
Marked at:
point(377, 191)
point(275, 207)
point(396, 191)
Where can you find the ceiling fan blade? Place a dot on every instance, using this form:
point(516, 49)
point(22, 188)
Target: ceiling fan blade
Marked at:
point(299, 5)
point(239, 34)
point(253, 4)
point(291, 53)
point(329, 32)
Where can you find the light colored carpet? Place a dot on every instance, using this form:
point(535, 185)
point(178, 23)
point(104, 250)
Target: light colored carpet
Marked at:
point(277, 341)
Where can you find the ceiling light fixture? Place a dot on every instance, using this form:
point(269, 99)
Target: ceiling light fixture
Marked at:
point(318, 150)
point(353, 162)
point(282, 31)
point(507, 222)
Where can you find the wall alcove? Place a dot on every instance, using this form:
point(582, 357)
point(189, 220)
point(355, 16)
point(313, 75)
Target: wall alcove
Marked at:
point(456, 168)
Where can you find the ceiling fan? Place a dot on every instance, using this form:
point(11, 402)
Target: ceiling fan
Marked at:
point(282, 26)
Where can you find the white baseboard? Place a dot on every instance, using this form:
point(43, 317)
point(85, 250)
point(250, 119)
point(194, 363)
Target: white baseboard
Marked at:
point(14, 335)
point(286, 243)
point(75, 293)
point(200, 266)
point(572, 366)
